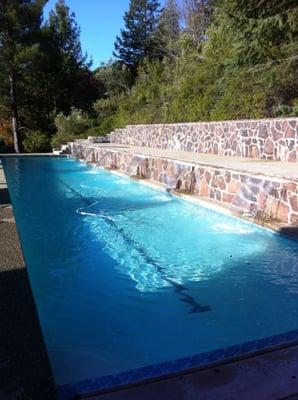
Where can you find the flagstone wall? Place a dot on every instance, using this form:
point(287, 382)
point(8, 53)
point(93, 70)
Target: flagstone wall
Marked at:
point(269, 197)
point(270, 139)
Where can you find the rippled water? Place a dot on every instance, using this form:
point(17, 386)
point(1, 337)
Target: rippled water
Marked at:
point(126, 276)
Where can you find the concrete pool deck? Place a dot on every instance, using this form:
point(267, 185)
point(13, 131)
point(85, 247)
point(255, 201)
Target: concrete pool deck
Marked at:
point(24, 366)
point(243, 164)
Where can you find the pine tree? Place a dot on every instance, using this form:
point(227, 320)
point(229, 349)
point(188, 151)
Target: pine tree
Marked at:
point(20, 22)
point(66, 34)
point(168, 30)
point(197, 15)
point(135, 42)
point(70, 67)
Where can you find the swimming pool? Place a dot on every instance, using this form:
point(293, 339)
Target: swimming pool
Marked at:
point(126, 277)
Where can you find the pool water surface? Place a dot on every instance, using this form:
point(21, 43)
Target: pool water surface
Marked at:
point(126, 276)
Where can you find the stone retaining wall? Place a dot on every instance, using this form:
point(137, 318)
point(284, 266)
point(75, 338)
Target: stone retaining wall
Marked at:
point(274, 198)
point(271, 139)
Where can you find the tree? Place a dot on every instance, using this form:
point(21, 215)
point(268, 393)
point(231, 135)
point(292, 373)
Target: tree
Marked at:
point(261, 37)
point(20, 22)
point(71, 126)
point(113, 78)
point(136, 40)
point(168, 30)
point(197, 16)
point(74, 83)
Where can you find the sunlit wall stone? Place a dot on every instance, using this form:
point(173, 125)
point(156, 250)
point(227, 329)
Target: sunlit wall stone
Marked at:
point(271, 139)
point(275, 198)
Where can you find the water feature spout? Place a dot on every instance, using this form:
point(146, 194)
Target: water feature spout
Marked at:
point(134, 168)
point(251, 198)
point(99, 163)
point(175, 183)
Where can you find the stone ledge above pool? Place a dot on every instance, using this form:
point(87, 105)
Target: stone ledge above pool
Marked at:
point(270, 139)
point(268, 191)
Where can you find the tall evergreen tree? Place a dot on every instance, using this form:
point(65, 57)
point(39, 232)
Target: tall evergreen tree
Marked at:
point(197, 15)
point(136, 40)
point(20, 22)
point(168, 30)
point(70, 67)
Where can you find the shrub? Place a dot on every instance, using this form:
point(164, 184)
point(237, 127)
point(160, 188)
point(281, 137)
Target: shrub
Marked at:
point(37, 142)
point(70, 127)
point(282, 110)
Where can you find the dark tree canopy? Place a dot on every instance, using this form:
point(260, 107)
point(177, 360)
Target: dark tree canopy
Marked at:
point(168, 30)
point(43, 70)
point(20, 22)
point(136, 40)
point(75, 83)
point(189, 60)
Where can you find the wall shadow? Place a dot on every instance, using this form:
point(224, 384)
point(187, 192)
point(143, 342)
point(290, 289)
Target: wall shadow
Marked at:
point(4, 196)
point(291, 231)
point(24, 366)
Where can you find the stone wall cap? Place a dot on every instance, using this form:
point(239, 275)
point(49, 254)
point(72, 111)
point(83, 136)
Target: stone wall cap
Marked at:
point(258, 120)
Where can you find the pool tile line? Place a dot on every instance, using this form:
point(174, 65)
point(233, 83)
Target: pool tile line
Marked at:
point(71, 391)
point(178, 287)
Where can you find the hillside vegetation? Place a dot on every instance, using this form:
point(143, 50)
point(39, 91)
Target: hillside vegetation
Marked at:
point(191, 61)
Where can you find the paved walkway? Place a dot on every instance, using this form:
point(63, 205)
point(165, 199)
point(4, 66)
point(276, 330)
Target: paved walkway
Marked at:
point(253, 166)
point(24, 367)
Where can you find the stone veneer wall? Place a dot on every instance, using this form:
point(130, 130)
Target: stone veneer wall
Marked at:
point(275, 198)
point(271, 139)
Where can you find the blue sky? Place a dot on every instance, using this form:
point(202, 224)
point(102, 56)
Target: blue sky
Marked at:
point(100, 22)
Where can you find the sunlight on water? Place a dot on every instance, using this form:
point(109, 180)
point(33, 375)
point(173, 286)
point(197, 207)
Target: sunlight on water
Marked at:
point(93, 171)
point(126, 276)
point(232, 228)
point(98, 189)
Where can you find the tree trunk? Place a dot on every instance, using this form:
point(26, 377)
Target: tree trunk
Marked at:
point(14, 113)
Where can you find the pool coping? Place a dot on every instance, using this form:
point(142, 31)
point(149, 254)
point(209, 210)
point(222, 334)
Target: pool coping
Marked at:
point(32, 155)
point(185, 365)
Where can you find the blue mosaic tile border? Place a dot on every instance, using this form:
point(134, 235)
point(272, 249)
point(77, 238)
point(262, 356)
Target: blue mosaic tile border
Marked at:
point(67, 392)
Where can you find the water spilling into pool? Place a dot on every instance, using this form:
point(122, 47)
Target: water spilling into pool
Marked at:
point(126, 276)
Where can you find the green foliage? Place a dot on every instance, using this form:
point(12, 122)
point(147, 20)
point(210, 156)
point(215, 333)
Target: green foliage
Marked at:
point(37, 142)
point(241, 96)
point(70, 127)
point(3, 147)
point(20, 22)
point(207, 60)
point(42, 68)
point(105, 108)
point(73, 85)
point(136, 40)
point(282, 110)
point(233, 60)
point(167, 32)
point(114, 78)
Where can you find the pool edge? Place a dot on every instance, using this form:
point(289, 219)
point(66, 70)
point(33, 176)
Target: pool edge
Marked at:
point(181, 366)
point(28, 352)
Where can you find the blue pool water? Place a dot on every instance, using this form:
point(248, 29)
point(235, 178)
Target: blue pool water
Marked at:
point(125, 276)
